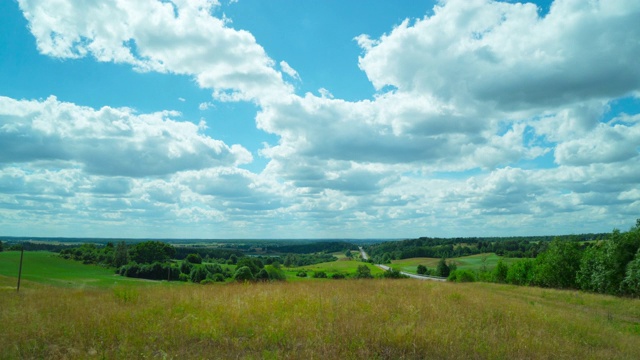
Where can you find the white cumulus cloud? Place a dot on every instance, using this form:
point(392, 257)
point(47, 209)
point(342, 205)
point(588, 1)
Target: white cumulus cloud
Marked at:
point(180, 37)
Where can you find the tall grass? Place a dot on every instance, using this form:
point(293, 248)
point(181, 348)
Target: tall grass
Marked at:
point(369, 319)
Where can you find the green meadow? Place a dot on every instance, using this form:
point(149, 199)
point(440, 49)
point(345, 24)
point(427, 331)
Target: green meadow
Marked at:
point(67, 310)
point(342, 266)
point(350, 319)
point(472, 262)
point(42, 267)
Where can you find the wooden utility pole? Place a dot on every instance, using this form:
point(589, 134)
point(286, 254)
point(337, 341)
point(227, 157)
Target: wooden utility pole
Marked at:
point(20, 270)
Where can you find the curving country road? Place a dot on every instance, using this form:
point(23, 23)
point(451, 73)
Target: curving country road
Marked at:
point(413, 276)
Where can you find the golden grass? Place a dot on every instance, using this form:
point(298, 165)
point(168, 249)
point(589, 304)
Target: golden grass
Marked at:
point(364, 319)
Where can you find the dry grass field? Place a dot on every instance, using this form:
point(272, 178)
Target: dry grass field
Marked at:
point(342, 319)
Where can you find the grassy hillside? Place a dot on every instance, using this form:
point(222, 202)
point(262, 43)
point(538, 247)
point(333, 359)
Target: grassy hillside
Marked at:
point(44, 267)
point(472, 262)
point(369, 319)
point(342, 266)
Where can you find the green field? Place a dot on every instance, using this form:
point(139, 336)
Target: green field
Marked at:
point(42, 267)
point(67, 310)
point(472, 262)
point(373, 319)
point(342, 266)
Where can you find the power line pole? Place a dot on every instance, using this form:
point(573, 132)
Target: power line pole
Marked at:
point(20, 271)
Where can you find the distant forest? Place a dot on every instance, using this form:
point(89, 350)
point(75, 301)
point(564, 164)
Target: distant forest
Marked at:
point(515, 247)
point(603, 263)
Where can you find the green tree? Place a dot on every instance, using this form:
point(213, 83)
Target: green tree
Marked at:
point(213, 268)
point(631, 282)
point(252, 263)
point(289, 260)
point(363, 272)
point(151, 251)
point(186, 267)
point(557, 266)
point(348, 254)
point(442, 269)
point(262, 275)
point(1, 247)
point(422, 270)
point(121, 254)
point(604, 265)
point(500, 272)
point(194, 258)
point(521, 272)
point(275, 272)
point(198, 273)
point(243, 274)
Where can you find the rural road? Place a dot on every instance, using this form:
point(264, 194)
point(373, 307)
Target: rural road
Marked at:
point(364, 254)
point(413, 276)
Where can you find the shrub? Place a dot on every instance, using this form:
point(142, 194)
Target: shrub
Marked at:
point(262, 275)
point(214, 269)
point(186, 267)
point(198, 273)
point(393, 274)
point(500, 272)
point(422, 270)
point(194, 258)
point(217, 277)
point(275, 273)
point(252, 263)
point(338, 276)
point(243, 273)
point(363, 272)
point(521, 272)
point(301, 274)
point(462, 276)
point(320, 275)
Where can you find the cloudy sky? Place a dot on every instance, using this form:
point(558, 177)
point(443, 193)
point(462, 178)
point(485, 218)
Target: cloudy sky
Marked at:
point(318, 119)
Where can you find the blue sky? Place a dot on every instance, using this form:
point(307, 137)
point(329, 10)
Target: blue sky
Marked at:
point(300, 119)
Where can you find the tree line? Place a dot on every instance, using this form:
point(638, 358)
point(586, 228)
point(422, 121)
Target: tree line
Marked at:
point(157, 260)
point(610, 265)
point(517, 247)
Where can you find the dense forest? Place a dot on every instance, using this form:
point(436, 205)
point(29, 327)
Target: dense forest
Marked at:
point(162, 261)
point(610, 265)
point(517, 247)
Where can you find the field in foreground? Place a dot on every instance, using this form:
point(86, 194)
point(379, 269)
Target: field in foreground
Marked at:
point(369, 319)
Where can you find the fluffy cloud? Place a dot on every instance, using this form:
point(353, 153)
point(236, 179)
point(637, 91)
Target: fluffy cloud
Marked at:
point(180, 37)
point(507, 55)
point(108, 141)
point(478, 84)
point(469, 101)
